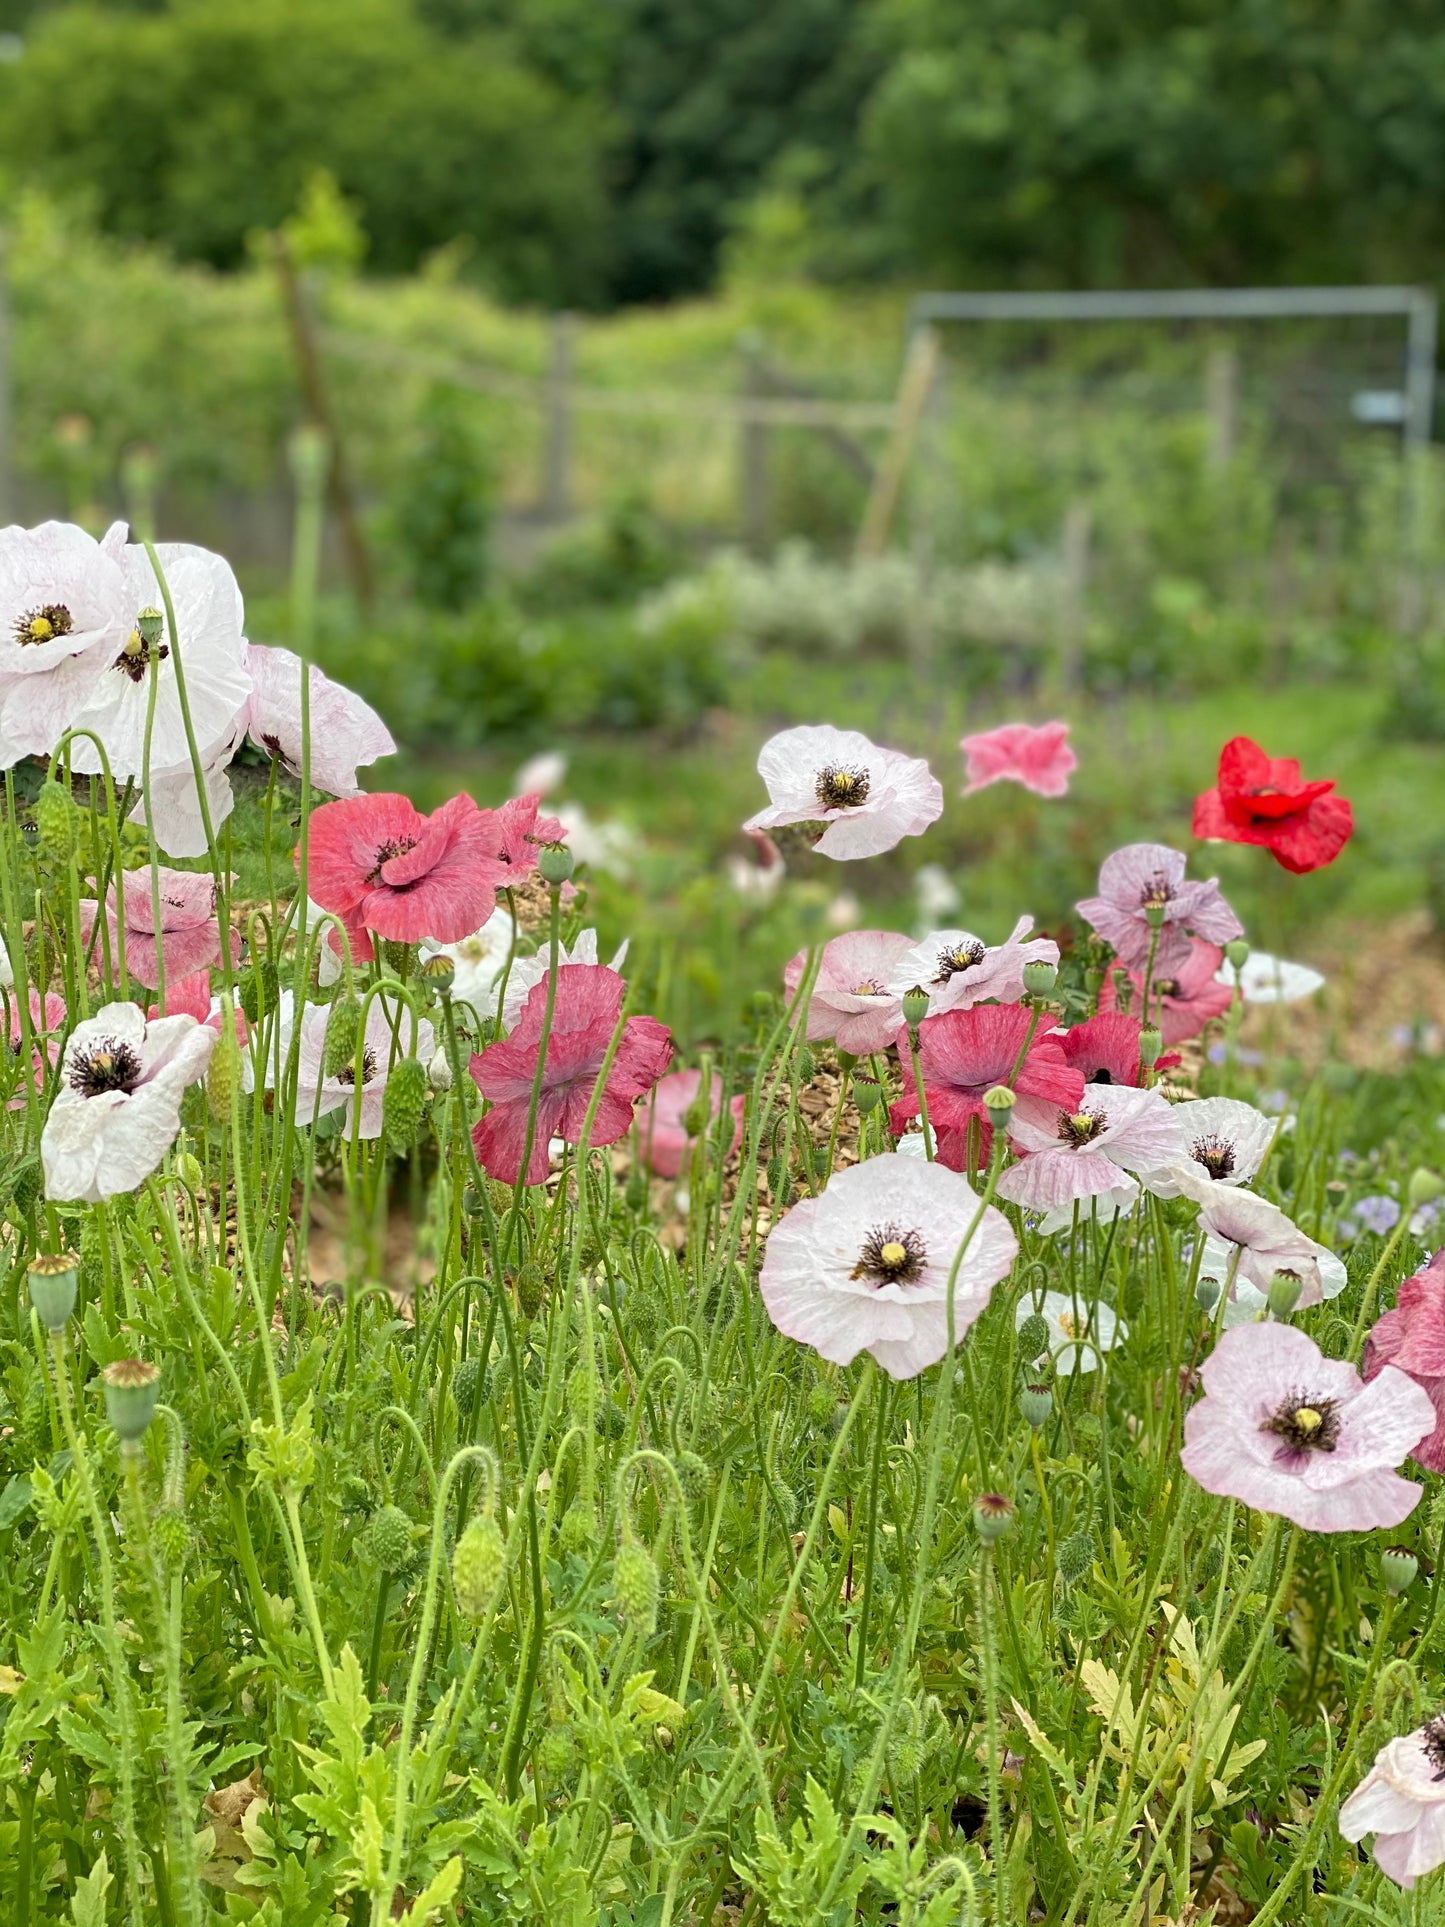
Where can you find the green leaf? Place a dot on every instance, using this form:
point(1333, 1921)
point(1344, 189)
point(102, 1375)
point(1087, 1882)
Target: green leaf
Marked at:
point(13, 1501)
point(87, 1909)
point(439, 1892)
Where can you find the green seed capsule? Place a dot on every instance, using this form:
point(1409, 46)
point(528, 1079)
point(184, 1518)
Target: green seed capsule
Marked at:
point(132, 1389)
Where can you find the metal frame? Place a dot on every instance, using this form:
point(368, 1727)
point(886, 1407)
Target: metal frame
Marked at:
point(1417, 306)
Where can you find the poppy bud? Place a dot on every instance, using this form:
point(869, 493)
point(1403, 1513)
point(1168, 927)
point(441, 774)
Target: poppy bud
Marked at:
point(1424, 1188)
point(1040, 977)
point(189, 1171)
point(479, 1565)
point(1151, 1042)
point(636, 1588)
point(222, 1074)
point(403, 1102)
point(397, 956)
point(531, 1288)
point(695, 1117)
point(439, 1070)
point(1398, 1569)
point(556, 863)
point(1094, 979)
point(1034, 1336)
point(1284, 1293)
point(464, 1383)
point(999, 1102)
point(1206, 1294)
point(1236, 953)
point(915, 1006)
point(132, 1389)
point(172, 1537)
point(1076, 1555)
point(807, 1065)
point(1123, 990)
point(342, 1027)
point(54, 1279)
point(57, 823)
point(260, 990)
point(557, 1752)
point(579, 1527)
point(1036, 1402)
point(438, 972)
point(473, 1203)
point(694, 1475)
point(25, 1183)
point(584, 1393)
point(390, 1537)
point(310, 456)
point(993, 1516)
point(867, 1094)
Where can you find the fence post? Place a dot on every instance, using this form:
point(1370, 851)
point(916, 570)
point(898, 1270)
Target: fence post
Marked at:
point(1221, 402)
point(919, 370)
point(1073, 600)
point(556, 474)
point(755, 507)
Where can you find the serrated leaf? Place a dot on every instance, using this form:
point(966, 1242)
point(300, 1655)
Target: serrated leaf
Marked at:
point(87, 1906)
point(14, 1500)
point(440, 1891)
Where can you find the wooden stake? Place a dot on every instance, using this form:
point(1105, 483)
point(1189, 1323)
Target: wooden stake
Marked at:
point(556, 493)
point(913, 390)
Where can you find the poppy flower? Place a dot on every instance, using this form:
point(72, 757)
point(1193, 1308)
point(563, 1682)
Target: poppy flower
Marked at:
point(478, 961)
point(1182, 1000)
point(858, 799)
point(1263, 979)
point(189, 937)
point(47, 1020)
point(852, 1004)
point(1225, 1140)
point(1038, 757)
point(346, 733)
point(386, 1041)
point(62, 621)
point(666, 1145)
point(521, 832)
point(1264, 800)
point(1105, 1048)
point(865, 1265)
point(1412, 1339)
point(528, 972)
point(1284, 1429)
point(958, 969)
point(1145, 880)
point(171, 801)
point(118, 1107)
point(386, 869)
point(1251, 1239)
point(964, 1053)
point(588, 1004)
point(1089, 1151)
point(1401, 1800)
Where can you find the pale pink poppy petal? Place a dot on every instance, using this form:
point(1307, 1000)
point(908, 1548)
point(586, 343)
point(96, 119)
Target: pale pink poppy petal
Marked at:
point(1038, 757)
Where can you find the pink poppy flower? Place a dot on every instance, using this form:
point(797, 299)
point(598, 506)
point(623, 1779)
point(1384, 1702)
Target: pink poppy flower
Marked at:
point(1039, 758)
point(964, 1053)
point(1412, 1339)
point(1105, 1049)
point(1287, 1430)
point(521, 832)
point(958, 969)
point(62, 621)
point(1183, 1002)
point(189, 938)
point(1401, 1800)
point(118, 1108)
point(865, 799)
point(1145, 876)
point(384, 868)
point(47, 1020)
point(1251, 1238)
point(1091, 1151)
point(387, 1040)
point(865, 1265)
point(666, 1146)
point(588, 1004)
point(852, 1004)
point(527, 972)
point(191, 997)
point(346, 733)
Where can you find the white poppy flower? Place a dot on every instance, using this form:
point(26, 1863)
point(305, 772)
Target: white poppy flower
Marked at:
point(1271, 980)
point(867, 799)
point(117, 1110)
point(63, 619)
point(388, 1039)
point(1079, 1333)
point(959, 970)
point(1225, 1139)
point(479, 960)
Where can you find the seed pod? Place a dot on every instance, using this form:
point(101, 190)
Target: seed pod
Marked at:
point(1036, 1402)
point(342, 1027)
point(1076, 1555)
point(403, 1102)
point(556, 863)
point(531, 1288)
point(132, 1389)
point(993, 1516)
point(636, 1588)
point(1040, 977)
point(390, 1535)
point(479, 1564)
point(57, 824)
point(54, 1278)
point(1398, 1568)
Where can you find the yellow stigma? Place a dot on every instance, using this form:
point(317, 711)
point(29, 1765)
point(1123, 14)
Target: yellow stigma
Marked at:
point(1070, 1326)
point(893, 1254)
point(1308, 1419)
point(1082, 1123)
point(134, 644)
point(40, 629)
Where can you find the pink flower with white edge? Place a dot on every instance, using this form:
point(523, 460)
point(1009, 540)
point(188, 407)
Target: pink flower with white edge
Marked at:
point(666, 1144)
point(387, 1039)
point(346, 733)
point(865, 1266)
point(1285, 1429)
point(861, 800)
point(210, 618)
point(1183, 1002)
point(1401, 1800)
point(1039, 757)
point(1412, 1339)
point(62, 620)
point(1225, 1140)
point(1149, 876)
point(959, 970)
point(527, 972)
point(188, 938)
point(1250, 1239)
point(852, 1004)
point(1088, 1152)
point(118, 1107)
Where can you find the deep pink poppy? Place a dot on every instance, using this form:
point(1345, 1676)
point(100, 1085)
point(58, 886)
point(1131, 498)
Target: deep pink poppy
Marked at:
point(964, 1053)
point(1039, 758)
point(47, 1020)
point(588, 1004)
point(386, 869)
point(666, 1145)
point(1264, 800)
point(1105, 1049)
point(1183, 1002)
point(1412, 1338)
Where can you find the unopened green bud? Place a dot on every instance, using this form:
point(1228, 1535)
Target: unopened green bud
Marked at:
point(1398, 1569)
point(636, 1588)
point(993, 1516)
point(479, 1565)
point(1076, 1555)
point(342, 1030)
point(464, 1383)
point(643, 1315)
point(57, 823)
point(557, 1752)
point(694, 1475)
point(584, 1394)
point(1236, 953)
point(132, 1389)
point(695, 1117)
point(1424, 1187)
point(473, 1203)
point(190, 1172)
point(403, 1102)
point(397, 956)
point(172, 1537)
point(260, 991)
point(1094, 979)
point(1284, 1293)
point(390, 1537)
point(310, 454)
point(1123, 990)
point(531, 1288)
point(822, 1404)
point(223, 1074)
point(807, 1065)
point(54, 1278)
point(1036, 1402)
point(556, 863)
point(25, 1182)
point(1040, 977)
point(1034, 1337)
point(579, 1527)
point(915, 1006)
point(867, 1095)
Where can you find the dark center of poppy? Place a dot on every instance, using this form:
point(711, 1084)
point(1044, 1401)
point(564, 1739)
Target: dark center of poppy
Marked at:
point(396, 846)
point(272, 743)
point(1078, 1128)
point(841, 787)
point(136, 656)
point(891, 1256)
point(107, 1066)
point(1156, 893)
point(347, 1073)
point(1216, 1154)
point(962, 956)
point(1101, 1076)
point(1432, 1738)
point(1306, 1424)
point(1167, 986)
point(44, 624)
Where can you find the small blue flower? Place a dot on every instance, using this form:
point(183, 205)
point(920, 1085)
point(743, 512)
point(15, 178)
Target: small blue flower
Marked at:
point(1378, 1214)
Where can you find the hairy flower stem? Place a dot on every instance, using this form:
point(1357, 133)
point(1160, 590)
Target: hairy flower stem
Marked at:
point(882, 1401)
point(987, 1577)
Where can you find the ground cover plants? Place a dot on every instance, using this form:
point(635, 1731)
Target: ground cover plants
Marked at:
point(965, 1447)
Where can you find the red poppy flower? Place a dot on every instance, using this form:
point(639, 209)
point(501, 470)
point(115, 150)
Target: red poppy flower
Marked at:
point(1105, 1049)
point(588, 1003)
point(1265, 800)
point(381, 866)
point(963, 1053)
point(1181, 1004)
